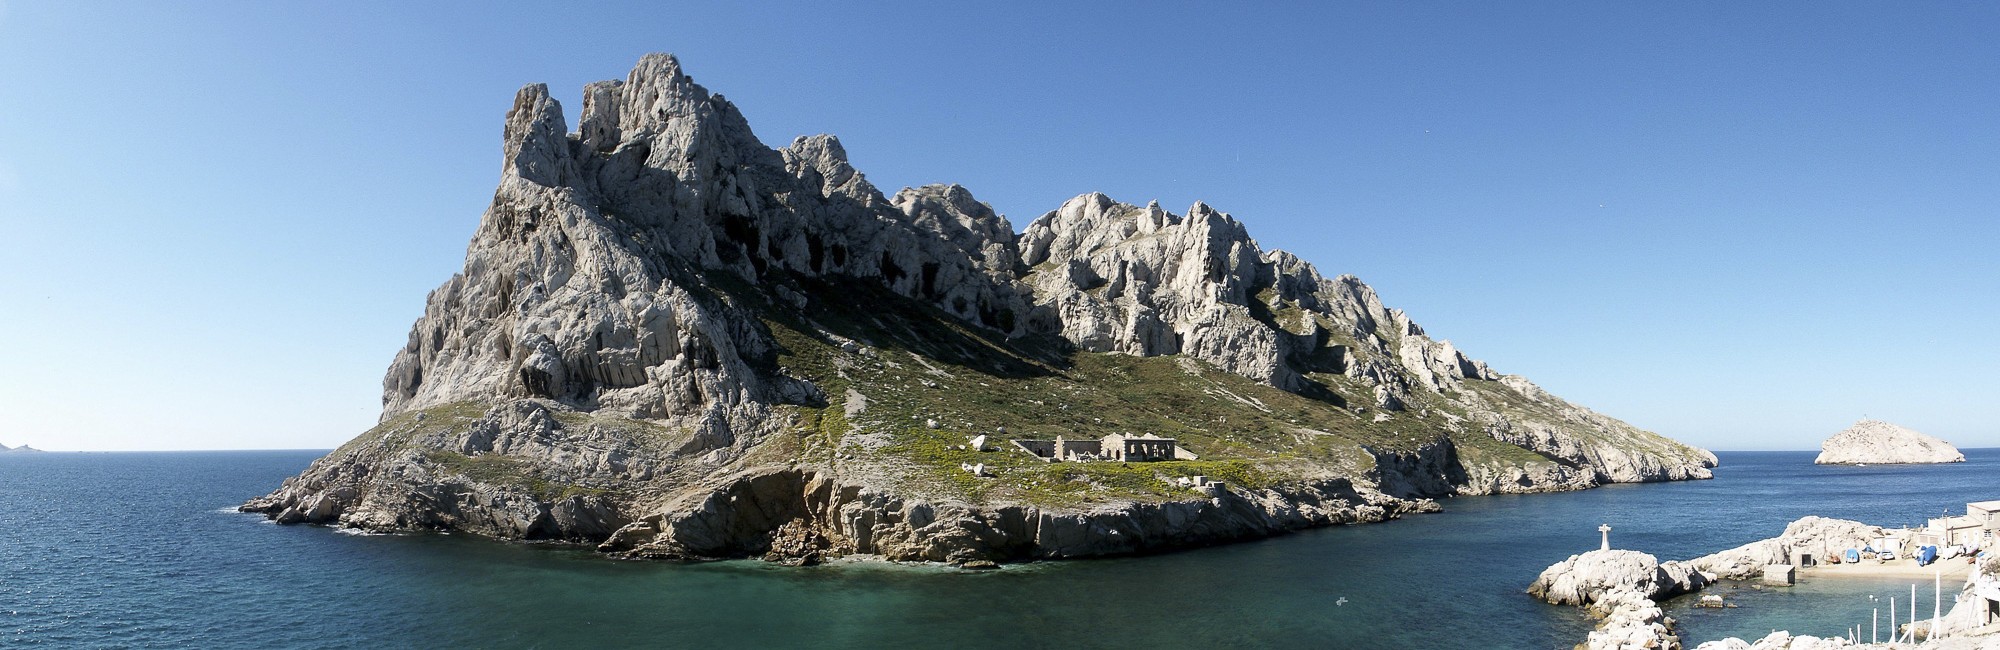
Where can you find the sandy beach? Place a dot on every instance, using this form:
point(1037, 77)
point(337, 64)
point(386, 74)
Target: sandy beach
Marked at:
point(1953, 569)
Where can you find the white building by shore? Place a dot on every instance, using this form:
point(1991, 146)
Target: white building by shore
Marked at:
point(1977, 528)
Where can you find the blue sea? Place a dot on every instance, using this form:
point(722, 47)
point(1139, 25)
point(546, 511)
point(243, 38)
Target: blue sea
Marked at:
point(144, 550)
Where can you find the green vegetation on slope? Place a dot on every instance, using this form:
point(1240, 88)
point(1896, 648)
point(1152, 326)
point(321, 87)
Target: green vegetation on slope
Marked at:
point(399, 430)
point(503, 471)
point(916, 365)
point(912, 365)
point(420, 432)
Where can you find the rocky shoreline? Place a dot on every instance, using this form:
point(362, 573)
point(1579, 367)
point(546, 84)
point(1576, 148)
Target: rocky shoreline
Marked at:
point(799, 517)
point(785, 514)
point(816, 519)
point(398, 481)
point(1625, 589)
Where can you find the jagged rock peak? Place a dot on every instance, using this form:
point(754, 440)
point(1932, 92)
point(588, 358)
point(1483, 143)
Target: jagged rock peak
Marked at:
point(667, 337)
point(579, 285)
point(583, 283)
point(536, 147)
point(657, 90)
point(1094, 221)
point(1115, 277)
point(820, 160)
point(965, 222)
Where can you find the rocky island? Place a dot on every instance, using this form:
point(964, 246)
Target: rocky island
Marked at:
point(1878, 442)
point(670, 340)
point(23, 449)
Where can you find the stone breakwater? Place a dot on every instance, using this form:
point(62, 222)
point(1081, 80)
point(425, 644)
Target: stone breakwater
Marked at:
point(1626, 587)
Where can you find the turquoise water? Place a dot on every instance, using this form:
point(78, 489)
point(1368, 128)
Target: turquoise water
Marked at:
point(108, 550)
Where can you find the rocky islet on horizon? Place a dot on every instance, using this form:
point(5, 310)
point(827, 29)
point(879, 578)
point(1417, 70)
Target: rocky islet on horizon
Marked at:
point(1878, 442)
point(672, 341)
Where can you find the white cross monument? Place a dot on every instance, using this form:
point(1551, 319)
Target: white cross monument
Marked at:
point(1606, 545)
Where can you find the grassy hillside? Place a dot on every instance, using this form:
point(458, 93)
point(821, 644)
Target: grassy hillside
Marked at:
point(888, 367)
point(913, 365)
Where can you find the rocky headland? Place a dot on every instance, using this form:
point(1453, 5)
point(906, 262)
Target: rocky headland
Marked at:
point(670, 340)
point(1878, 442)
point(1623, 587)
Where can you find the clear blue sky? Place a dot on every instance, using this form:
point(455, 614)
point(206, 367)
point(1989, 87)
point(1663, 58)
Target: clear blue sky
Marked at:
point(1744, 225)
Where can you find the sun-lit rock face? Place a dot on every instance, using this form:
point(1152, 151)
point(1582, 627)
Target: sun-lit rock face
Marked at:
point(1623, 587)
point(577, 285)
point(1878, 442)
point(662, 320)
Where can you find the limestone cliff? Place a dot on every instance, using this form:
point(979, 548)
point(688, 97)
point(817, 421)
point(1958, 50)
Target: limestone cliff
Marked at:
point(674, 341)
point(1878, 442)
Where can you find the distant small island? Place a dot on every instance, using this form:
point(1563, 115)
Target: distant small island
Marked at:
point(23, 449)
point(1875, 441)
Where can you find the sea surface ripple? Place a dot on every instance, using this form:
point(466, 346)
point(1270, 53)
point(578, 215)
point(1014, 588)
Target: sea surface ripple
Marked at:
point(144, 550)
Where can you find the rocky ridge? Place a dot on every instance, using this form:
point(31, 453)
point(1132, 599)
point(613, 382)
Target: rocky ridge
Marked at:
point(1878, 442)
point(670, 340)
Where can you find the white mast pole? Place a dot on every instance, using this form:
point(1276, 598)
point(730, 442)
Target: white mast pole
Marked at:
point(1913, 613)
point(1937, 603)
